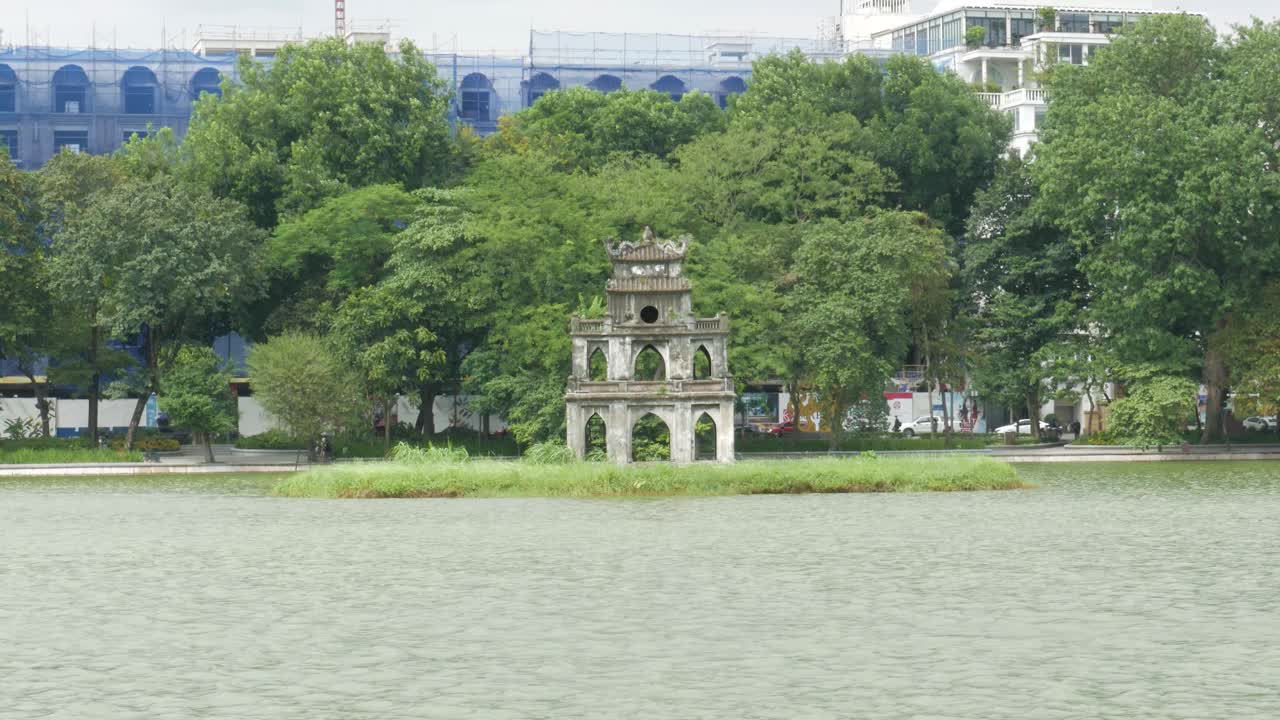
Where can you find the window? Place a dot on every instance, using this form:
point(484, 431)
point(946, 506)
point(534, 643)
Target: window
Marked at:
point(1107, 24)
point(207, 80)
point(995, 27)
point(952, 32)
point(605, 84)
point(8, 90)
point(671, 85)
point(730, 86)
point(69, 85)
point(1040, 115)
point(77, 141)
point(476, 94)
point(139, 85)
point(540, 85)
point(1021, 28)
point(1073, 22)
point(9, 142)
point(1073, 53)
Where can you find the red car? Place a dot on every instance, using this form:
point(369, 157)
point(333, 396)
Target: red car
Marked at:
point(783, 428)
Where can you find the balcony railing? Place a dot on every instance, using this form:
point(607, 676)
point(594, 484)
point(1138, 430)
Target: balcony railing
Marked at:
point(579, 325)
point(1000, 101)
point(992, 99)
point(715, 324)
point(650, 387)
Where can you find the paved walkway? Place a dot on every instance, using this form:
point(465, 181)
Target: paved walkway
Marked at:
point(229, 460)
point(190, 459)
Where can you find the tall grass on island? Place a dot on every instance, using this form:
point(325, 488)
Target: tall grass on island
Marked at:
point(441, 473)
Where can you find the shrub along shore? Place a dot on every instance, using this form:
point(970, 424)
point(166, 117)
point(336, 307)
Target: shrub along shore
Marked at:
point(490, 478)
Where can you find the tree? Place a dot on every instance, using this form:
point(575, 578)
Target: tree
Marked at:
point(1027, 290)
point(322, 119)
point(1155, 413)
point(927, 128)
point(318, 258)
point(383, 335)
point(854, 300)
point(1252, 350)
point(196, 393)
point(160, 259)
point(582, 128)
point(27, 336)
point(303, 383)
point(67, 184)
point(1160, 163)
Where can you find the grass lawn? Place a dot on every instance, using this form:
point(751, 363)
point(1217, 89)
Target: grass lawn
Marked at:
point(491, 478)
point(64, 455)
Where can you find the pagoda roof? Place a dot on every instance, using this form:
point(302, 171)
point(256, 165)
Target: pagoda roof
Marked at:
point(649, 249)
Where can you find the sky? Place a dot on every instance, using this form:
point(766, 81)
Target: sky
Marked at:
point(470, 25)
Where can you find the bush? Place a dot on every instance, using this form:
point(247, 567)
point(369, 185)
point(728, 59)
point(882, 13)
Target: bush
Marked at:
point(271, 440)
point(1103, 437)
point(406, 453)
point(148, 444)
point(548, 453)
point(1157, 412)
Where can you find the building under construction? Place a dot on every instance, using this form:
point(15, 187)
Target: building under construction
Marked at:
point(92, 100)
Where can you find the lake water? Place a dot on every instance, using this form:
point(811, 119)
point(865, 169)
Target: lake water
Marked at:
point(1139, 590)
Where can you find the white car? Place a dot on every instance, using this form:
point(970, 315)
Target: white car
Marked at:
point(1022, 427)
point(923, 426)
point(1259, 423)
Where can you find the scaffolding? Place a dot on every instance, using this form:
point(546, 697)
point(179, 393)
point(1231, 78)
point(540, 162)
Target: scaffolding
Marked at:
point(90, 97)
point(661, 50)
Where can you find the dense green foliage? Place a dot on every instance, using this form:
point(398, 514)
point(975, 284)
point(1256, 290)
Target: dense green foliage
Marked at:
point(1159, 160)
point(196, 388)
point(305, 386)
point(1156, 413)
point(850, 217)
point(322, 119)
point(524, 479)
point(1027, 291)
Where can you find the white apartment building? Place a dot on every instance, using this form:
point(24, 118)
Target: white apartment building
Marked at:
point(1018, 41)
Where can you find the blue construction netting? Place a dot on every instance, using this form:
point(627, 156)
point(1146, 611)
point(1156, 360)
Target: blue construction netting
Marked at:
point(172, 71)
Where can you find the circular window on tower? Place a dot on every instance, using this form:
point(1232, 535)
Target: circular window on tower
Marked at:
point(649, 314)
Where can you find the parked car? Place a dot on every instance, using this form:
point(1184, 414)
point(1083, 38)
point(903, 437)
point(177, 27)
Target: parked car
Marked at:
point(782, 428)
point(923, 425)
point(1259, 423)
point(1022, 427)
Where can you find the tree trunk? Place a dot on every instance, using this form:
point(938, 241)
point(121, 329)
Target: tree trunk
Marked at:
point(1033, 413)
point(41, 391)
point(427, 410)
point(208, 447)
point(386, 422)
point(833, 434)
point(946, 420)
point(1215, 384)
point(152, 386)
point(136, 417)
point(95, 382)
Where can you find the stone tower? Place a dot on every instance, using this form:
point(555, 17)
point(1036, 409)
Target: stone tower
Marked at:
point(649, 306)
